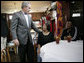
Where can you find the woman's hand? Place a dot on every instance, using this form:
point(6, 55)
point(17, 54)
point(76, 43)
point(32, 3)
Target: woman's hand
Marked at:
point(38, 51)
point(65, 38)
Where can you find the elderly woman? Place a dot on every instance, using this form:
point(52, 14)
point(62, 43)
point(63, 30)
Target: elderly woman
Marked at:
point(44, 37)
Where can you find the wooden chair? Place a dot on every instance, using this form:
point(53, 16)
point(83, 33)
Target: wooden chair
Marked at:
point(11, 45)
point(3, 56)
point(35, 47)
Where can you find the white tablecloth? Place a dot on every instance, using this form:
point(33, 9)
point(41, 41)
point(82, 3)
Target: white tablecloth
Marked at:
point(62, 52)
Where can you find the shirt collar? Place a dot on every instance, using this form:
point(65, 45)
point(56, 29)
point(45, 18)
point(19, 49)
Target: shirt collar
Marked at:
point(24, 13)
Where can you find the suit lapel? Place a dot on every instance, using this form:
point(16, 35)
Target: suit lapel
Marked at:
point(24, 20)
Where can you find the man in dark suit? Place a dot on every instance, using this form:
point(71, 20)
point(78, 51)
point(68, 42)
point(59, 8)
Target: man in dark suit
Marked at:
point(21, 25)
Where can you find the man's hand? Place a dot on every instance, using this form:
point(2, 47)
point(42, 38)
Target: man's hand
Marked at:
point(16, 42)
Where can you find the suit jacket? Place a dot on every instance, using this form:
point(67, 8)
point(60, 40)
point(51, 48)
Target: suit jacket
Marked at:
point(19, 28)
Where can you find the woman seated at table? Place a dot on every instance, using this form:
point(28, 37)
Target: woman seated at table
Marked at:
point(44, 37)
point(70, 30)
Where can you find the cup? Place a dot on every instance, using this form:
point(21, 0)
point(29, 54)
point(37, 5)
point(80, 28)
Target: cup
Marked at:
point(57, 40)
point(69, 38)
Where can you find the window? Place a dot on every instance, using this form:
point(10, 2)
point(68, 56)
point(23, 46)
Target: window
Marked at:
point(76, 15)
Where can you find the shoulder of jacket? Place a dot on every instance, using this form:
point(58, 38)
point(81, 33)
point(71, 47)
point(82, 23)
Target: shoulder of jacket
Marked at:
point(16, 13)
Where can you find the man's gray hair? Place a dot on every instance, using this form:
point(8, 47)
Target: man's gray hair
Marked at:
point(25, 4)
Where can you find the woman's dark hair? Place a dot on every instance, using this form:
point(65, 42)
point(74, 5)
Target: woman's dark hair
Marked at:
point(48, 26)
